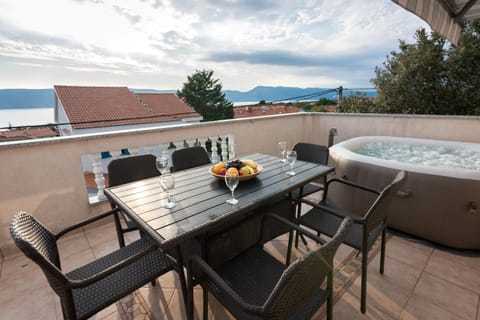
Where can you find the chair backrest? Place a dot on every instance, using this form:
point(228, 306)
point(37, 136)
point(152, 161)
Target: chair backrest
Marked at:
point(378, 211)
point(310, 152)
point(131, 168)
point(189, 158)
point(302, 279)
point(40, 245)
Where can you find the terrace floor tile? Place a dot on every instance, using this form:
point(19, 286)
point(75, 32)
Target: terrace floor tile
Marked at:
point(421, 281)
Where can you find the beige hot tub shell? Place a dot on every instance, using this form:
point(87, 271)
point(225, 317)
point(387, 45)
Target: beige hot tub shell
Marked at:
point(437, 204)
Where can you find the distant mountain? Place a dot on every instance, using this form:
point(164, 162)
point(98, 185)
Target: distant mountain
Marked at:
point(26, 98)
point(43, 98)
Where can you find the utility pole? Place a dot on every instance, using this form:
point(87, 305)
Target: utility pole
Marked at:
point(340, 95)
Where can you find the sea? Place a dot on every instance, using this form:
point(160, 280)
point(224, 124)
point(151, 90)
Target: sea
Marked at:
point(25, 117)
point(34, 116)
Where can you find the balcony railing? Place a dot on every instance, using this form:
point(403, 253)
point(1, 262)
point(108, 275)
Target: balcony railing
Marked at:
point(46, 177)
point(220, 148)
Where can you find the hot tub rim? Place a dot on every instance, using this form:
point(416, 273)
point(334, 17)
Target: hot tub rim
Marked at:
point(343, 150)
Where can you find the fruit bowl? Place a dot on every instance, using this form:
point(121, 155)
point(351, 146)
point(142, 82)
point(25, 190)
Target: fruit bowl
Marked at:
point(242, 177)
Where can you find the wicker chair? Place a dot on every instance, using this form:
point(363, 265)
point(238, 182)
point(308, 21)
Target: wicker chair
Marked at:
point(189, 158)
point(129, 169)
point(315, 153)
point(85, 291)
point(325, 217)
point(255, 285)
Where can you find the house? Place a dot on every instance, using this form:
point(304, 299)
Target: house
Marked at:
point(264, 110)
point(84, 109)
point(30, 133)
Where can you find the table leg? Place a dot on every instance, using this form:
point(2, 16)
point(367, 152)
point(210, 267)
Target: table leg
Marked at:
point(181, 275)
point(189, 304)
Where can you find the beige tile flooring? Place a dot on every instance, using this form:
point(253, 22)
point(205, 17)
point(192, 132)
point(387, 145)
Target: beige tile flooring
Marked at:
point(421, 281)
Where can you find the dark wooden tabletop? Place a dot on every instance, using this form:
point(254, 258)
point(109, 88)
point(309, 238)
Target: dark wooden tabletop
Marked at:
point(200, 198)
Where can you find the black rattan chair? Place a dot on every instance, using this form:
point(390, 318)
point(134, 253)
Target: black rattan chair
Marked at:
point(325, 217)
point(189, 158)
point(85, 291)
point(129, 169)
point(255, 285)
point(315, 153)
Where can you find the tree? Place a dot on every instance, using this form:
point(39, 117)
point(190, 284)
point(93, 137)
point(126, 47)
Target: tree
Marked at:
point(430, 77)
point(204, 93)
point(463, 67)
point(358, 102)
point(412, 80)
point(326, 102)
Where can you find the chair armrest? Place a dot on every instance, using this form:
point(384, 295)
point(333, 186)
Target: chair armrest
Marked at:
point(331, 211)
point(224, 287)
point(297, 228)
point(114, 268)
point(85, 222)
point(352, 184)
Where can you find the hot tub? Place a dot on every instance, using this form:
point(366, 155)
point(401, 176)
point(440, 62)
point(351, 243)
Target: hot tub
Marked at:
point(437, 203)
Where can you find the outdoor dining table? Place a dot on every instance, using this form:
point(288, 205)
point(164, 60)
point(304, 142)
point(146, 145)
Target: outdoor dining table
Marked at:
point(201, 199)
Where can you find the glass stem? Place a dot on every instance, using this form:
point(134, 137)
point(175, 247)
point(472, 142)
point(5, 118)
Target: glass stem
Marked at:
point(233, 197)
point(168, 196)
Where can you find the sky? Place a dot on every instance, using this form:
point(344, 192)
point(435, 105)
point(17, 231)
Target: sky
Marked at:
point(156, 44)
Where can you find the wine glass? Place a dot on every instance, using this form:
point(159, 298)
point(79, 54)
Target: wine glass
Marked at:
point(167, 181)
point(291, 159)
point(231, 180)
point(162, 164)
point(232, 151)
point(282, 146)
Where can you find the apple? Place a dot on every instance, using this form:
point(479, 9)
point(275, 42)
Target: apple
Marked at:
point(223, 171)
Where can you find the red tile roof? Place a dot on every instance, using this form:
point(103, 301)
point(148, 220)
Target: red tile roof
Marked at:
point(266, 110)
point(24, 134)
point(92, 107)
point(168, 104)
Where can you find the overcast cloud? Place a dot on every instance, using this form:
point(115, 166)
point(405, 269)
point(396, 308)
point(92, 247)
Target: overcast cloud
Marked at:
point(158, 43)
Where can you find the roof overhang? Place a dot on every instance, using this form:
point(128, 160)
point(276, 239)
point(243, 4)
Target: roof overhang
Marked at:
point(446, 17)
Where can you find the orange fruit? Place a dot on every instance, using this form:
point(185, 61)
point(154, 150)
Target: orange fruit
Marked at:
point(232, 170)
point(218, 167)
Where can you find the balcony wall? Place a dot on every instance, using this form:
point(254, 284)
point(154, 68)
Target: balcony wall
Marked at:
point(45, 177)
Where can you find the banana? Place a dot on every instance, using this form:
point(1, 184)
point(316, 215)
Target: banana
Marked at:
point(252, 164)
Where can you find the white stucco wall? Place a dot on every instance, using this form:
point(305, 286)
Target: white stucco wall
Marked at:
point(45, 176)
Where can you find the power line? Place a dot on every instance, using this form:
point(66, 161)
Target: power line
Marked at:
point(321, 93)
point(310, 95)
point(359, 89)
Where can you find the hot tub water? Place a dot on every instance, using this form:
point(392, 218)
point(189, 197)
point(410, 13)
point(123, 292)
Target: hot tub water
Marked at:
point(431, 156)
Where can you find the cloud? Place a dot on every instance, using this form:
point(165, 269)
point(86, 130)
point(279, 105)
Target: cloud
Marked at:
point(288, 58)
point(13, 33)
point(124, 12)
point(292, 43)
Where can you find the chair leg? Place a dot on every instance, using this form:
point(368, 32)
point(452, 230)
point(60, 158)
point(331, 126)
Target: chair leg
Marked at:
point(330, 295)
point(299, 211)
point(289, 248)
point(205, 304)
point(363, 294)
point(382, 250)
